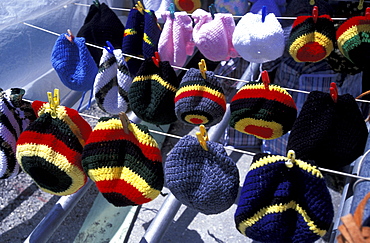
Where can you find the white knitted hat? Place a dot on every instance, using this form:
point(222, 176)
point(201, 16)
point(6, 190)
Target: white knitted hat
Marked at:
point(112, 83)
point(258, 41)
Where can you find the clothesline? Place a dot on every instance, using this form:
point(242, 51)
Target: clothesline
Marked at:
point(248, 153)
point(235, 16)
point(182, 68)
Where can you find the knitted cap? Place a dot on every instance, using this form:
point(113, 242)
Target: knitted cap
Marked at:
point(176, 37)
point(49, 150)
point(73, 63)
point(187, 5)
point(213, 37)
point(235, 7)
point(311, 41)
point(272, 6)
point(127, 168)
point(198, 100)
point(353, 41)
point(331, 134)
point(101, 25)
point(152, 93)
point(152, 33)
point(258, 41)
point(206, 181)
point(15, 115)
point(264, 113)
point(112, 83)
point(274, 195)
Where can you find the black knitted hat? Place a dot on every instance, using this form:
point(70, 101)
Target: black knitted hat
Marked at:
point(332, 134)
point(152, 93)
point(101, 25)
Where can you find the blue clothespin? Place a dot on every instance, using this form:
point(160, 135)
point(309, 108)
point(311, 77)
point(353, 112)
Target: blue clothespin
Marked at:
point(212, 10)
point(264, 13)
point(109, 47)
point(171, 8)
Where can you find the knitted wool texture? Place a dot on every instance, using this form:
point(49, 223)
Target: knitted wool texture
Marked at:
point(264, 113)
point(235, 7)
point(15, 115)
point(206, 181)
point(331, 134)
point(310, 41)
point(353, 40)
point(152, 93)
point(152, 32)
point(198, 100)
point(176, 37)
point(213, 37)
point(73, 63)
point(112, 83)
point(187, 5)
point(101, 25)
point(50, 149)
point(127, 168)
point(258, 41)
point(281, 204)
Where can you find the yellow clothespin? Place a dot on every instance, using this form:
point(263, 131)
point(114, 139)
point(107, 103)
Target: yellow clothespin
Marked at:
point(202, 137)
point(291, 159)
point(70, 36)
point(360, 5)
point(140, 7)
point(125, 122)
point(203, 68)
point(54, 102)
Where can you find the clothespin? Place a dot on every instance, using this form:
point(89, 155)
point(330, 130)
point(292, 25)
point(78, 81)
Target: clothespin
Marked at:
point(264, 13)
point(291, 159)
point(54, 102)
point(109, 47)
point(96, 3)
point(156, 58)
point(171, 8)
point(125, 122)
point(203, 68)
point(360, 5)
point(312, 2)
point(140, 7)
point(70, 36)
point(265, 79)
point(334, 91)
point(202, 137)
point(212, 10)
point(315, 13)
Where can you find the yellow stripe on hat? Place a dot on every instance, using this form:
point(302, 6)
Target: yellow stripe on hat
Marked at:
point(276, 128)
point(350, 33)
point(111, 124)
point(57, 159)
point(200, 88)
point(280, 208)
point(129, 32)
point(272, 87)
point(157, 78)
point(147, 40)
point(124, 173)
point(323, 40)
point(270, 159)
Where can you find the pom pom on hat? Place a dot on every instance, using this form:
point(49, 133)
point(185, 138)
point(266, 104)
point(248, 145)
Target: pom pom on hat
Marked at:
point(311, 41)
point(213, 37)
point(101, 25)
point(187, 5)
point(152, 93)
point(332, 134)
point(258, 41)
point(176, 37)
point(353, 41)
point(50, 149)
point(73, 63)
point(266, 113)
point(126, 167)
point(112, 83)
point(198, 100)
point(206, 181)
point(274, 195)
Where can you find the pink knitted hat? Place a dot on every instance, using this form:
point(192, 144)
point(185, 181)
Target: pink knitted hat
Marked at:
point(176, 37)
point(213, 37)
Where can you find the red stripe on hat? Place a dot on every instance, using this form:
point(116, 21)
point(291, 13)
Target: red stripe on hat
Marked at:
point(81, 123)
point(218, 100)
point(124, 188)
point(30, 137)
point(36, 106)
point(360, 20)
point(299, 20)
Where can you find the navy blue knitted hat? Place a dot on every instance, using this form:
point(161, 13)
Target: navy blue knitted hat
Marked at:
point(74, 64)
point(206, 181)
point(282, 204)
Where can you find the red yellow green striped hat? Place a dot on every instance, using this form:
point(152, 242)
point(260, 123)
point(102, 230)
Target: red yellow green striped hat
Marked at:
point(126, 167)
point(311, 39)
point(50, 149)
point(353, 39)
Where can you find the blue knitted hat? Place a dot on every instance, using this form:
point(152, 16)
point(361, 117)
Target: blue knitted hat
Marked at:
point(282, 204)
point(72, 61)
point(206, 181)
point(152, 33)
